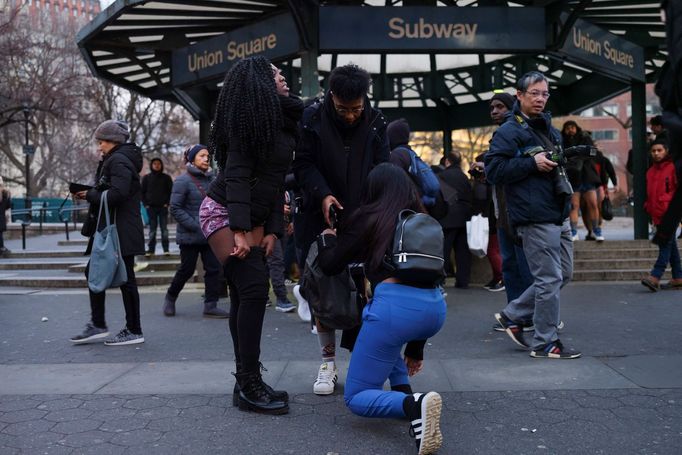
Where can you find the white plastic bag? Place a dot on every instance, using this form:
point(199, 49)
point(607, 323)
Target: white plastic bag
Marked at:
point(477, 235)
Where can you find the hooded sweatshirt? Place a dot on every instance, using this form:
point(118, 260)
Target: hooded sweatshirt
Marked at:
point(156, 187)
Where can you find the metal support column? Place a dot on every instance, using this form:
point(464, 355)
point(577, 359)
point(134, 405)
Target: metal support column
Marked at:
point(447, 141)
point(310, 86)
point(639, 158)
point(204, 129)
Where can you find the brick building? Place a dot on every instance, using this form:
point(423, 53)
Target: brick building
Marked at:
point(610, 135)
point(86, 9)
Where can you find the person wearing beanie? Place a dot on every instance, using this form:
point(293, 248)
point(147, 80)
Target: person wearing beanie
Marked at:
point(398, 132)
point(119, 175)
point(156, 193)
point(188, 192)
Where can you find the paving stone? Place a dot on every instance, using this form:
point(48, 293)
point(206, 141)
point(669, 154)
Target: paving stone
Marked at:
point(76, 426)
point(22, 416)
point(59, 404)
point(68, 414)
point(199, 412)
point(106, 449)
point(124, 425)
point(35, 440)
point(171, 424)
point(54, 449)
point(153, 449)
point(30, 426)
point(86, 439)
point(158, 413)
point(135, 437)
point(189, 401)
point(99, 403)
point(145, 403)
point(114, 413)
point(17, 405)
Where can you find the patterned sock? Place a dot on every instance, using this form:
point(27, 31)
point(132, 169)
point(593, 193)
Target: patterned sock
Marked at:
point(327, 345)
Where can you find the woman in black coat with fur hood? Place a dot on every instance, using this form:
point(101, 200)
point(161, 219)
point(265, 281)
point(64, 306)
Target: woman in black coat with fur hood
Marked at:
point(119, 173)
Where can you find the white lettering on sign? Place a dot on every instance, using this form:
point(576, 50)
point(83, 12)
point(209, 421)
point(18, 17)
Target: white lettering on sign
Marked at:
point(603, 49)
point(425, 30)
point(248, 48)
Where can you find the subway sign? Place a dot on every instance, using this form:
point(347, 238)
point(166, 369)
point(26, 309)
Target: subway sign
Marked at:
point(273, 38)
point(604, 51)
point(428, 29)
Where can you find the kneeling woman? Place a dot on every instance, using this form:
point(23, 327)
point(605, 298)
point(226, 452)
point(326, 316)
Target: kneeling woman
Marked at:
point(252, 139)
point(400, 313)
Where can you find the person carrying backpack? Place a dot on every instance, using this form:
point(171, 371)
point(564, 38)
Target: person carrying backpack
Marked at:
point(403, 311)
point(398, 132)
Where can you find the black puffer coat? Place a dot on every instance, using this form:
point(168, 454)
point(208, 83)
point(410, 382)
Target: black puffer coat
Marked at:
point(459, 212)
point(119, 173)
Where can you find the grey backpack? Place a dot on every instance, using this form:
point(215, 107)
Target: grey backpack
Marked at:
point(417, 254)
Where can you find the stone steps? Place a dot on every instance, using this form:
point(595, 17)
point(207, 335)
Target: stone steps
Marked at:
point(615, 274)
point(67, 280)
point(84, 242)
point(149, 266)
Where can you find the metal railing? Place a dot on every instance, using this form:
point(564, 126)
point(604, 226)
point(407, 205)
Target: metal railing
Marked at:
point(42, 210)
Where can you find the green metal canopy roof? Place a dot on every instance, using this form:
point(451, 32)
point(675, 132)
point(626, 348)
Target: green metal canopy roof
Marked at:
point(131, 44)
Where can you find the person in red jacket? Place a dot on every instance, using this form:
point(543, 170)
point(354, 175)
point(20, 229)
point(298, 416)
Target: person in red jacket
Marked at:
point(661, 180)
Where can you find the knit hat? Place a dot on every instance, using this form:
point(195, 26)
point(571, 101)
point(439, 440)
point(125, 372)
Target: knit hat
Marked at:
point(505, 98)
point(398, 132)
point(192, 151)
point(115, 131)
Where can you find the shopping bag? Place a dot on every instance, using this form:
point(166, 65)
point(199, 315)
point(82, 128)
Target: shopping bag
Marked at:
point(477, 235)
point(107, 268)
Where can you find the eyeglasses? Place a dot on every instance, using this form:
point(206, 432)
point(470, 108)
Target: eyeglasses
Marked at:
point(538, 94)
point(345, 110)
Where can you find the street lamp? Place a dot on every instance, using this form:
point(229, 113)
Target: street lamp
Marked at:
point(28, 152)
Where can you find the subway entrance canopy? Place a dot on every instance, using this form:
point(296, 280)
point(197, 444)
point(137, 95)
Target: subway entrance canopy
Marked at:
point(435, 63)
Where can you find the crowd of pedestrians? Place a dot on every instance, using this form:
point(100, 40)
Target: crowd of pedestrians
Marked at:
point(336, 174)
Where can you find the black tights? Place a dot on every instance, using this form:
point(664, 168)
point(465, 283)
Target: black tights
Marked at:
point(248, 283)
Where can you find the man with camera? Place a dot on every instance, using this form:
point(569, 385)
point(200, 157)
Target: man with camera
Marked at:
point(523, 158)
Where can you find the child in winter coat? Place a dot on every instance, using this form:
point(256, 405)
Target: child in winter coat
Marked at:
point(661, 180)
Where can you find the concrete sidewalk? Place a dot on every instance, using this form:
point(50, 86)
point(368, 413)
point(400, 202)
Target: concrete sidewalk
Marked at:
point(172, 394)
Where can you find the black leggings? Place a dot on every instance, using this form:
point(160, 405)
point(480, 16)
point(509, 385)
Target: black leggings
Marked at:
point(131, 300)
point(248, 281)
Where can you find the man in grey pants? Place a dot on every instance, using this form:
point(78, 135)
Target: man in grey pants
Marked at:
point(538, 210)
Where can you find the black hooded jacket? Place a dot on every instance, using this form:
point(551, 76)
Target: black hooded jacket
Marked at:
point(156, 187)
point(119, 172)
point(323, 166)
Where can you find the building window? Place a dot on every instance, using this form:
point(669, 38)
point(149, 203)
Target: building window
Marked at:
point(601, 111)
point(651, 110)
point(605, 135)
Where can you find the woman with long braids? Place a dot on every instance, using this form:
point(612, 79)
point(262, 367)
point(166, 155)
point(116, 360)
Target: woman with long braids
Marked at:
point(252, 139)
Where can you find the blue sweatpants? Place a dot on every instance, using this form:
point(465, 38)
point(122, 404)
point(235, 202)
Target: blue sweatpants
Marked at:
point(397, 314)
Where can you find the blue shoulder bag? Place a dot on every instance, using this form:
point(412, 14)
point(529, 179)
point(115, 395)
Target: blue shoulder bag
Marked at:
point(107, 269)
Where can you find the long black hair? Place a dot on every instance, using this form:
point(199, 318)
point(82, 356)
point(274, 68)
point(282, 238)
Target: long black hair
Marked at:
point(387, 191)
point(248, 114)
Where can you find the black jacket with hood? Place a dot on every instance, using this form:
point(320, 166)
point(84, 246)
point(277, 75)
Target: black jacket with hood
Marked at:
point(322, 166)
point(156, 187)
point(119, 172)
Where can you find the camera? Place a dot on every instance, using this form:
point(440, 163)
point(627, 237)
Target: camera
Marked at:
point(562, 186)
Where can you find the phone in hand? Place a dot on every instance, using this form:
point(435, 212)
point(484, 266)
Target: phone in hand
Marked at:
point(333, 216)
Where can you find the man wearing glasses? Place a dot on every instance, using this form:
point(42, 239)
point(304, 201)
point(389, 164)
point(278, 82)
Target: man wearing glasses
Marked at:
point(342, 139)
point(538, 215)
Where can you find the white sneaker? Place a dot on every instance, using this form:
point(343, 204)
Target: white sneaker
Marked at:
point(327, 376)
point(314, 330)
point(575, 238)
point(303, 308)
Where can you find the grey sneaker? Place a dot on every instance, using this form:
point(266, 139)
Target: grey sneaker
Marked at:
point(90, 334)
point(284, 306)
point(125, 337)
